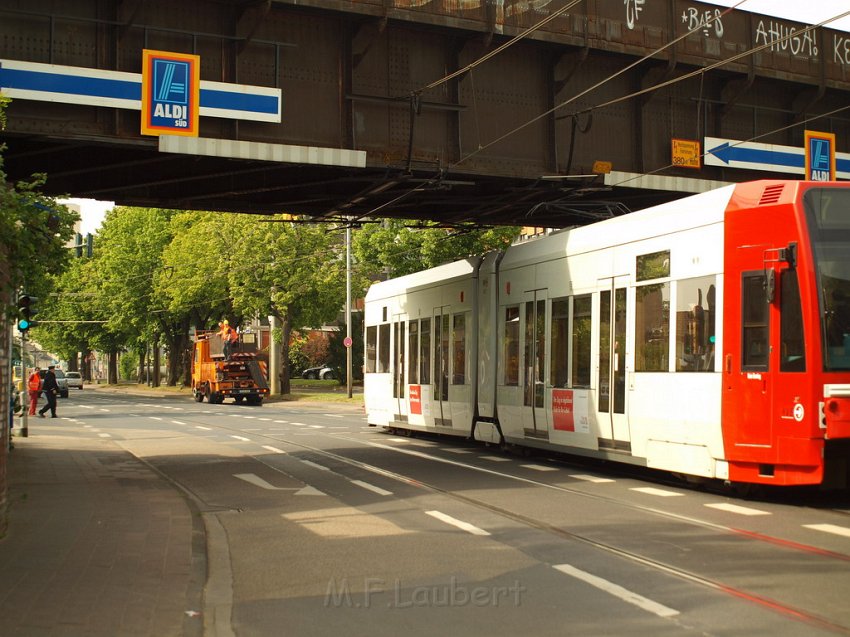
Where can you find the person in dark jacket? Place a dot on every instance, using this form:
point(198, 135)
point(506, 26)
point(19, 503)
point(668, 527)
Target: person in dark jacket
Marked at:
point(51, 389)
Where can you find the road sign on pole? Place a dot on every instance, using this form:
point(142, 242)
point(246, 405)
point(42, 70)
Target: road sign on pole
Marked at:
point(820, 156)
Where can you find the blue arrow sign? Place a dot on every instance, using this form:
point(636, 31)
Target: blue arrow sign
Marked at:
point(732, 153)
point(727, 153)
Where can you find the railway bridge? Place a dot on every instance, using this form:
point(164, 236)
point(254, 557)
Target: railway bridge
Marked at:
point(532, 112)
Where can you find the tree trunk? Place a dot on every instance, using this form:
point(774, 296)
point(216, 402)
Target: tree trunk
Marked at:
point(286, 332)
point(157, 380)
point(112, 369)
point(143, 363)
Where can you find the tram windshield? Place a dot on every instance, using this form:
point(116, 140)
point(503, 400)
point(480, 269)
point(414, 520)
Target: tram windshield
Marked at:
point(828, 217)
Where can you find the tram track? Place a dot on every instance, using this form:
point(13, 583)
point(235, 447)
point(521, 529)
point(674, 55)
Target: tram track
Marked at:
point(786, 610)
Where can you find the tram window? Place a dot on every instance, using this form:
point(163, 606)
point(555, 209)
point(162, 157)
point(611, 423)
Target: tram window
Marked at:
point(653, 266)
point(512, 345)
point(371, 349)
point(581, 340)
point(413, 351)
point(792, 354)
point(459, 359)
point(559, 365)
point(384, 348)
point(425, 351)
point(652, 328)
point(695, 316)
point(756, 315)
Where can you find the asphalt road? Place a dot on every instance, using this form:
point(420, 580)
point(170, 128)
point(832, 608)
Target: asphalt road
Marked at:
point(317, 524)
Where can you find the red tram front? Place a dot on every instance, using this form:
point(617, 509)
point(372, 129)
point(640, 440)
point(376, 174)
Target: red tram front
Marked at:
point(786, 351)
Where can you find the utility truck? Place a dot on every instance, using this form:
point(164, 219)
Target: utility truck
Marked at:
point(241, 376)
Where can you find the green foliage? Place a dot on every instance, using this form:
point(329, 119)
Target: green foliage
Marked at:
point(128, 365)
point(33, 232)
point(393, 249)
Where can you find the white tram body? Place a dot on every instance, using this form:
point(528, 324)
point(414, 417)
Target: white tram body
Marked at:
point(598, 341)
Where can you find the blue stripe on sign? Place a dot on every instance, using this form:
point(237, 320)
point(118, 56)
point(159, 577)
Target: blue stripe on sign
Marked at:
point(228, 100)
point(71, 84)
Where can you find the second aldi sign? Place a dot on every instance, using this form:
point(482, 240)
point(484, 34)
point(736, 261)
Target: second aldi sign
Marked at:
point(171, 85)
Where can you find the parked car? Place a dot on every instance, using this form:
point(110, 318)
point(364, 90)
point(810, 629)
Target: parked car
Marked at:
point(322, 371)
point(75, 380)
point(61, 380)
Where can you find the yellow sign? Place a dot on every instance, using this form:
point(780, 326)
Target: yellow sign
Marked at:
point(686, 153)
point(602, 167)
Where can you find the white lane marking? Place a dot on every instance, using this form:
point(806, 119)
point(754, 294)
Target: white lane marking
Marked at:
point(333, 416)
point(256, 480)
point(735, 508)
point(315, 465)
point(178, 422)
point(299, 424)
point(371, 487)
point(253, 429)
point(281, 422)
point(539, 467)
point(317, 427)
point(618, 591)
point(458, 450)
point(102, 409)
point(86, 406)
point(653, 491)
point(204, 428)
point(397, 439)
point(596, 479)
point(465, 526)
point(273, 449)
point(242, 438)
point(154, 417)
point(104, 435)
point(495, 458)
point(266, 419)
point(308, 490)
point(249, 417)
point(829, 528)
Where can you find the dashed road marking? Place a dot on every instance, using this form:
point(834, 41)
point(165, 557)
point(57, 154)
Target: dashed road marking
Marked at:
point(178, 422)
point(315, 465)
point(587, 478)
point(465, 526)
point(829, 528)
point(256, 480)
point(105, 435)
point(618, 591)
point(495, 458)
point(273, 449)
point(539, 467)
point(371, 487)
point(662, 493)
point(204, 428)
point(155, 418)
point(458, 450)
point(735, 508)
point(333, 416)
point(241, 438)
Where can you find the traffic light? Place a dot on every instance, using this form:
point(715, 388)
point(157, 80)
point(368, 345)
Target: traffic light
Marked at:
point(27, 309)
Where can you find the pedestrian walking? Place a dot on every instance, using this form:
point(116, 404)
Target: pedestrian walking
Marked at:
point(34, 389)
point(51, 390)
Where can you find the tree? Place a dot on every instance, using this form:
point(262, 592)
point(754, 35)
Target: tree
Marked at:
point(300, 282)
point(393, 249)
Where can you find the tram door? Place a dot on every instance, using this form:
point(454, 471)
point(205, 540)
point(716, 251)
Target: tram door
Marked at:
point(611, 323)
point(534, 417)
point(399, 385)
point(442, 341)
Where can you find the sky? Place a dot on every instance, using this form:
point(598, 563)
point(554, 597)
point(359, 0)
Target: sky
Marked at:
point(806, 11)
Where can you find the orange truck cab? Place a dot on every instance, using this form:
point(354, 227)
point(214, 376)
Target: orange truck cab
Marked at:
point(244, 376)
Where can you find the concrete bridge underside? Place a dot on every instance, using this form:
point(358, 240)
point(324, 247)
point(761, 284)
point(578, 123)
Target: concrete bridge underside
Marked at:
point(514, 140)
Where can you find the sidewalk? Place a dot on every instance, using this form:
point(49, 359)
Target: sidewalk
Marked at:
point(98, 543)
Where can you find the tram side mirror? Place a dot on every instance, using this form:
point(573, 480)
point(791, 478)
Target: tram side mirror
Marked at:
point(770, 285)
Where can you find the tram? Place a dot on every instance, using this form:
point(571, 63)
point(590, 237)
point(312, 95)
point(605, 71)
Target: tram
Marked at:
point(708, 337)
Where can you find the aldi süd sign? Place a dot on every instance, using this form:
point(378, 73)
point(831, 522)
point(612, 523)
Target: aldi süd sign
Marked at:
point(170, 93)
